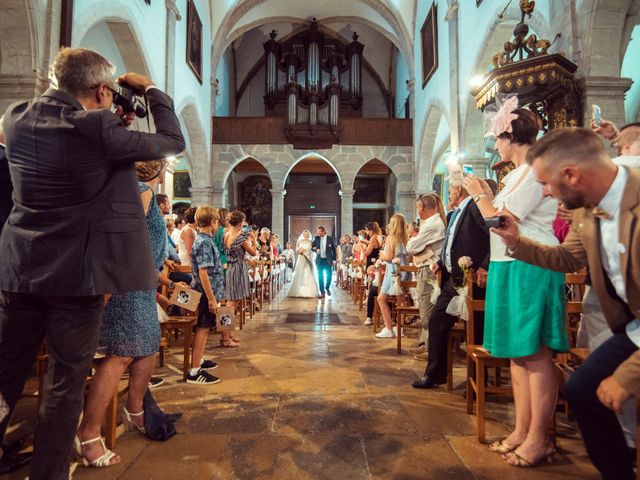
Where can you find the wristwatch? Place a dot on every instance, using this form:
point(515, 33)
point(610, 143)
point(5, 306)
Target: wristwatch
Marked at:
point(478, 197)
point(172, 285)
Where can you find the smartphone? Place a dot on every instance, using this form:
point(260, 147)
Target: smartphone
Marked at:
point(361, 237)
point(494, 222)
point(467, 169)
point(596, 114)
point(246, 229)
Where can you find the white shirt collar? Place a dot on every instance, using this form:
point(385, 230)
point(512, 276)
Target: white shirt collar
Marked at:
point(610, 203)
point(464, 203)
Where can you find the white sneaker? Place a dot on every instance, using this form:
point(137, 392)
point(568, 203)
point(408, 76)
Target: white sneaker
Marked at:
point(368, 321)
point(395, 332)
point(385, 333)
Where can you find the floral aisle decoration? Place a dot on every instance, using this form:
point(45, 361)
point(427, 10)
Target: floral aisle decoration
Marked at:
point(458, 305)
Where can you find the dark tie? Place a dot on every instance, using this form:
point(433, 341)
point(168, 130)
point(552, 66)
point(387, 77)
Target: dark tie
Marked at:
point(447, 234)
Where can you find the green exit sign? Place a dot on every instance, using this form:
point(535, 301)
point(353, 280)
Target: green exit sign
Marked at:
point(312, 206)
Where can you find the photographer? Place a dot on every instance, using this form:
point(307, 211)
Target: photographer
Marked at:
point(58, 255)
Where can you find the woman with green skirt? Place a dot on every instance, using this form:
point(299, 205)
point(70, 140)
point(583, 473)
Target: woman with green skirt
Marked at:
point(524, 309)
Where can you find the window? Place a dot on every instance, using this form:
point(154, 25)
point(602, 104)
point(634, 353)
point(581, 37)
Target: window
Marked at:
point(429, 37)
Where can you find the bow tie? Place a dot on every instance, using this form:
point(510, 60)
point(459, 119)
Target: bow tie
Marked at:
point(599, 213)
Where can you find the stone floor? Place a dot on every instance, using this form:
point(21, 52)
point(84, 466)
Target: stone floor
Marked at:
point(323, 399)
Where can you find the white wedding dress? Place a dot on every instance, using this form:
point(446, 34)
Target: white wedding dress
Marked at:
point(305, 282)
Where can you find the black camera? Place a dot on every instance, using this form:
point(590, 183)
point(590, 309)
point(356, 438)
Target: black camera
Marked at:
point(494, 222)
point(130, 100)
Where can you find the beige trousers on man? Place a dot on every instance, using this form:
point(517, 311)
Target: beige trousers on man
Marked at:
point(424, 289)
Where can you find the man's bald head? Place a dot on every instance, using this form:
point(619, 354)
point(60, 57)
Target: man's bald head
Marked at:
point(629, 139)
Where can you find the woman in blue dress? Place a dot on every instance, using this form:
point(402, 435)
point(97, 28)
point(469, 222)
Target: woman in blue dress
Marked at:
point(130, 337)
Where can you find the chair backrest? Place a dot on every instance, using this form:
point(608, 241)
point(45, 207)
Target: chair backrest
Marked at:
point(473, 305)
point(406, 285)
point(575, 284)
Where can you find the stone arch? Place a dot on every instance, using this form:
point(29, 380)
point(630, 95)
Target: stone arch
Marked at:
point(298, 157)
point(19, 67)
point(123, 29)
point(223, 37)
point(238, 161)
point(196, 152)
point(436, 114)
point(603, 31)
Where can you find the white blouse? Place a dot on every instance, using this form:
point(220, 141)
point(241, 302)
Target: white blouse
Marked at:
point(523, 198)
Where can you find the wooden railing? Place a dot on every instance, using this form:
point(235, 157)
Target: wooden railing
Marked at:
point(271, 131)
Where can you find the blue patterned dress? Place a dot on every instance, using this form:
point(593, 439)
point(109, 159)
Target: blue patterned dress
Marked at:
point(237, 271)
point(130, 326)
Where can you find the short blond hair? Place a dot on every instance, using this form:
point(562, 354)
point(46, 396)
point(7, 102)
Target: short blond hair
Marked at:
point(562, 146)
point(205, 216)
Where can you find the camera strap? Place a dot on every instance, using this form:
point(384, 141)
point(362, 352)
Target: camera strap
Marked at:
point(146, 106)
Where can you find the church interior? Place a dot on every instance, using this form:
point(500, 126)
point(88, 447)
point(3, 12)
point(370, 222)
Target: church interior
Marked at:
point(340, 114)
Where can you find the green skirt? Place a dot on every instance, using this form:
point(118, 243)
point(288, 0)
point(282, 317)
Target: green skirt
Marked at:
point(524, 309)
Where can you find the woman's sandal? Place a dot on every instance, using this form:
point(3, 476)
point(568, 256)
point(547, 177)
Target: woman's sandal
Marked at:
point(128, 418)
point(102, 461)
point(500, 446)
point(515, 460)
point(228, 344)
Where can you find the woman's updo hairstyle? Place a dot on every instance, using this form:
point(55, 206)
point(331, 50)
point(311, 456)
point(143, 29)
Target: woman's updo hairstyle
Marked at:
point(525, 127)
point(147, 171)
point(235, 218)
point(190, 214)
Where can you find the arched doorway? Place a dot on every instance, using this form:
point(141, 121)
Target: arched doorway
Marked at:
point(374, 195)
point(312, 198)
point(248, 189)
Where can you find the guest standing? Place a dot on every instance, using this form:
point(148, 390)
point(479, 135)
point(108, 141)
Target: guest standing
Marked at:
point(466, 236)
point(395, 249)
point(572, 165)
point(130, 336)
point(75, 228)
point(188, 235)
point(426, 248)
point(236, 245)
point(524, 315)
point(209, 280)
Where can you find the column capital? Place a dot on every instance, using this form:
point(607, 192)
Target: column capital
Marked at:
point(406, 194)
point(451, 11)
point(347, 193)
point(607, 86)
point(173, 8)
point(278, 193)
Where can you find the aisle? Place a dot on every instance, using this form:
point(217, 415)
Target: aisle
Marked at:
point(311, 394)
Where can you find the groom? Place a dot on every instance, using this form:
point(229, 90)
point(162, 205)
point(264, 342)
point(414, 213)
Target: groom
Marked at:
point(325, 249)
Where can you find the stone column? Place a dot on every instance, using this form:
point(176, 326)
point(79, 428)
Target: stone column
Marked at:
point(173, 16)
point(451, 17)
point(479, 163)
point(277, 212)
point(217, 197)
point(406, 204)
point(201, 196)
point(346, 212)
point(608, 93)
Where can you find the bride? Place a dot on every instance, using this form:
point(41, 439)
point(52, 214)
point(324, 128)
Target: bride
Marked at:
point(304, 283)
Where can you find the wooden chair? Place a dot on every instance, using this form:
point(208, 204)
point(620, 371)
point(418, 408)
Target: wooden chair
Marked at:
point(404, 303)
point(479, 361)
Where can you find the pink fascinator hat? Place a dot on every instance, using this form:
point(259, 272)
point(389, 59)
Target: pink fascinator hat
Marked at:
point(498, 117)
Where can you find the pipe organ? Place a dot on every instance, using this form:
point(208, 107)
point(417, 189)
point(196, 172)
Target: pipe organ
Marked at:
point(313, 80)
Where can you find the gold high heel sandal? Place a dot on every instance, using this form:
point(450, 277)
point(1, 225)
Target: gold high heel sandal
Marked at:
point(515, 460)
point(500, 446)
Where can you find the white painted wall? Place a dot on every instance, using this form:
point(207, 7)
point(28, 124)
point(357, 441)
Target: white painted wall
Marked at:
point(631, 69)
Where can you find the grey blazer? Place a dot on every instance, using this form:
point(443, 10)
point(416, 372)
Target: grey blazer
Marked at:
point(77, 227)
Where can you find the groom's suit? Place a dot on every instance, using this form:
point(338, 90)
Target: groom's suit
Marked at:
point(325, 255)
